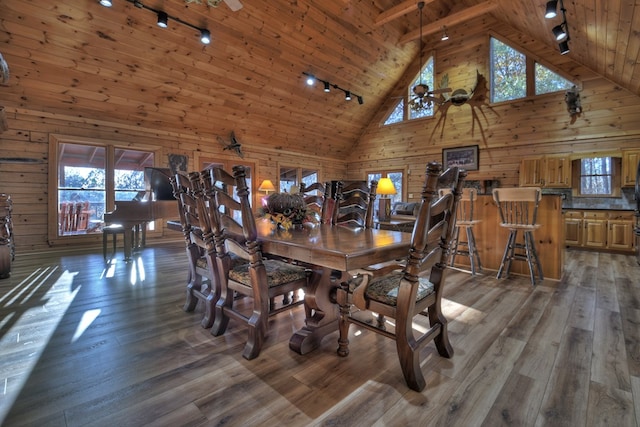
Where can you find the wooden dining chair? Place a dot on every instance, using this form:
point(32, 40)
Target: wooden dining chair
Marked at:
point(410, 292)
point(235, 235)
point(318, 198)
point(202, 274)
point(355, 203)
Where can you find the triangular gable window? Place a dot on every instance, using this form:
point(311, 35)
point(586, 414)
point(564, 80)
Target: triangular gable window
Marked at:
point(397, 115)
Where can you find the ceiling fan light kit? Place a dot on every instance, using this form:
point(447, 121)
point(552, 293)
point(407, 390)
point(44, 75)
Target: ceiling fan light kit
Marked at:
point(561, 31)
point(348, 95)
point(163, 18)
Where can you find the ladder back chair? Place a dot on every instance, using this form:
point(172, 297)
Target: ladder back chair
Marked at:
point(518, 208)
point(410, 292)
point(317, 196)
point(253, 275)
point(355, 204)
point(201, 278)
point(466, 221)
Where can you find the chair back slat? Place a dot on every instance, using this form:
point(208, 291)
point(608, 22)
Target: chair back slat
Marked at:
point(517, 206)
point(317, 196)
point(356, 203)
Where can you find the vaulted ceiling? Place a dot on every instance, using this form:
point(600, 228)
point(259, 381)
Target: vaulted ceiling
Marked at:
point(115, 64)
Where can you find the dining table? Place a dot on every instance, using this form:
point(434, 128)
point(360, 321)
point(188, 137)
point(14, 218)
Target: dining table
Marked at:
point(331, 252)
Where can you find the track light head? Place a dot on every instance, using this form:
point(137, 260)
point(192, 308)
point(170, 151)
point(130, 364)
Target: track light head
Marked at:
point(205, 36)
point(552, 7)
point(559, 31)
point(163, 19)
point(106, 3)
point(327, 87)
point(347, 95)
point(445, 36)
point(564, 47)
point(310, 80)
point(360, 100)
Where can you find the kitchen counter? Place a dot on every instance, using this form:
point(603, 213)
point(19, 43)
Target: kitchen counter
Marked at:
point(491, 238)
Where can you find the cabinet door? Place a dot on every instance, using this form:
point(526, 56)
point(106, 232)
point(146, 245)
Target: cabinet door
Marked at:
point(573, 232)
point(557, 172)
point(530, 172)
point(630, 161)
point(595, 233)
point(620, 235)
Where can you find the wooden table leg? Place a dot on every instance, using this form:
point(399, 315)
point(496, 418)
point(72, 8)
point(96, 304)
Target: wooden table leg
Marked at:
point(322, 313)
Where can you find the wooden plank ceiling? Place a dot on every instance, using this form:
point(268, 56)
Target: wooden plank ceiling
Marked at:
point(77, 57)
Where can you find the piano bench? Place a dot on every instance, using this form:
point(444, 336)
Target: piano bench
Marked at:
point(111, 230)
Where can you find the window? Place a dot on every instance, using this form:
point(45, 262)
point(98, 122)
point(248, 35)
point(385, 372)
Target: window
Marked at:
point(509, 70)
point(90, 177)
point(397, 179)
point(291, 177)
point(596, 176)
point(426, 76)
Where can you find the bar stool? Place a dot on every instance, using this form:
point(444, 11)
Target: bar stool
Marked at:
point(465, 220)
point(518, 210)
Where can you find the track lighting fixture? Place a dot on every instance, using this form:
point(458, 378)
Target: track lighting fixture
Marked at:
point(561, 31)
point(163, 18)
point(348, 95)
point(445, 36)
point(552, 7)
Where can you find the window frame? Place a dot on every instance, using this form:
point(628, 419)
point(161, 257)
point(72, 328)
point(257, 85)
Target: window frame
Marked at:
point(401, 195)
point(531, 59)
point(54, 170)
point(616, 168)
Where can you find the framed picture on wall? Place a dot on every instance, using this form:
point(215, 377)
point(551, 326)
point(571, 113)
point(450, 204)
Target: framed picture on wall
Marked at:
point(464, 157)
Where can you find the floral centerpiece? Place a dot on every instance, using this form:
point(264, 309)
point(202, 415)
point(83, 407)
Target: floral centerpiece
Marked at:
point(287, 210)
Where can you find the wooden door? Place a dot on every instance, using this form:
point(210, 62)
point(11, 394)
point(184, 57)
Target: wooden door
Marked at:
point(595, 233)
point(630, 161)
point(620, 234)
point(573, 231)
point(530, 172)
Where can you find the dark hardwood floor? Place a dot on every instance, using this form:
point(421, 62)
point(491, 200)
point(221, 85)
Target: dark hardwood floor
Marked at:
point(83, 343)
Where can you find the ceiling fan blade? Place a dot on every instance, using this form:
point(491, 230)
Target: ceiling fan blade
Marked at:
point(444, 90)
point(234, 5)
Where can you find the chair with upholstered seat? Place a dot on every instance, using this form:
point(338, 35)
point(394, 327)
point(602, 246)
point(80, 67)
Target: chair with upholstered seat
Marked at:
point(201, 258)
point(235, 235)
point(518, 209)
point(412, 292)
point(466, 221)
point(355, 204)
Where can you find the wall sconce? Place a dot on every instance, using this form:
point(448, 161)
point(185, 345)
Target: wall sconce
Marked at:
point(348, 95)
point(267, 186)
point(163, 19)
point(385, 188)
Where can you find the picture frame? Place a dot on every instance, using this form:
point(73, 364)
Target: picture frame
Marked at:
point(464, 157)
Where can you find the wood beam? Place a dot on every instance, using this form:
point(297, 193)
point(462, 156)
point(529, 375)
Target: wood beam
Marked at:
point(449, 21)
point(398, 11)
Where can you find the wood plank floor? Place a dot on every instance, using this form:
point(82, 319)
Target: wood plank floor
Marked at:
point(87, 344)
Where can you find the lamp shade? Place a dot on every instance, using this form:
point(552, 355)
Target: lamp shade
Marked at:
point(385, 187)
point(267, 186)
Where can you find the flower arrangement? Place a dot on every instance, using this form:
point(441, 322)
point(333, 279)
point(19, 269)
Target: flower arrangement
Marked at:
point(287, 210)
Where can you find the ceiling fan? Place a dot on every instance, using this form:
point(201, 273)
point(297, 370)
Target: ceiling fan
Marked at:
point(234, 5)
point(423, 97)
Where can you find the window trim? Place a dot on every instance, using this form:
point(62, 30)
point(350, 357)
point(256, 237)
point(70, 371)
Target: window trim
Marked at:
point(385, 171)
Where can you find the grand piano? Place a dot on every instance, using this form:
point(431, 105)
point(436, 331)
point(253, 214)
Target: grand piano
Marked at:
point(157, 202)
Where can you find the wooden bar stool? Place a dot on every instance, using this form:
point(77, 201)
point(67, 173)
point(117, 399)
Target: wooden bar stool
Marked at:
point(466, 222)
point(518, 210)
point(113, 230)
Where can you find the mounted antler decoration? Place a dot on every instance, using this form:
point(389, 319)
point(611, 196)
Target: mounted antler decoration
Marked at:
point(234, 145)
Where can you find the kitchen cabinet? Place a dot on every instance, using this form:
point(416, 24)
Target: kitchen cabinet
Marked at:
point(630, 161)
point(546, 171)
point(599, 230)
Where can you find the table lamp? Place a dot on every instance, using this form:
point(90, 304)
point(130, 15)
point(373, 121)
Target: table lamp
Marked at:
point(385, 188)
point(267, 186)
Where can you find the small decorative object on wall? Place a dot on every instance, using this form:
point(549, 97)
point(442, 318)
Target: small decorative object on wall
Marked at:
point(234, 5)
point(464, 157)
point(234, 145)
point(178, 163)
point(572, 98)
